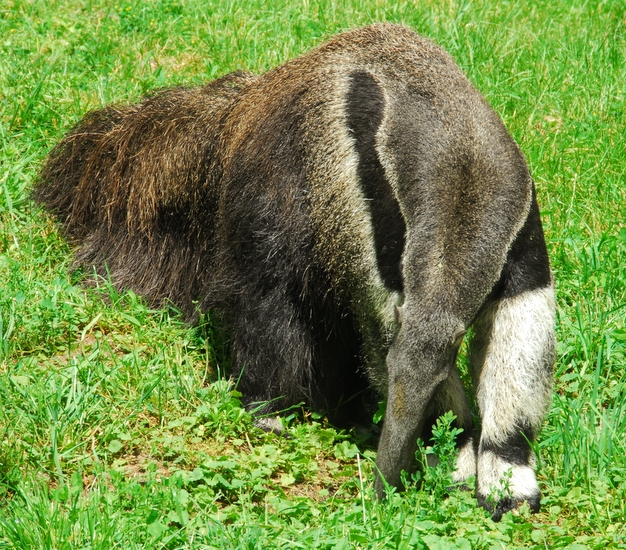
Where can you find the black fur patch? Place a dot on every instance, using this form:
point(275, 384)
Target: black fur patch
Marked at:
point(515, 450)
point(506, 505)
point(464, 437)
point(527, 266)
point(365, 114)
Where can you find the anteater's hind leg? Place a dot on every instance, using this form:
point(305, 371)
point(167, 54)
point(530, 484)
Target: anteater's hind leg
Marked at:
point(285, 354)
point(273, 361)
point(512, 357)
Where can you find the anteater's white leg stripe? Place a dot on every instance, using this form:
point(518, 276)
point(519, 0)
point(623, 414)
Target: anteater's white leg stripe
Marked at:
point(492, 478)
point(513, 363)
point(466, 462)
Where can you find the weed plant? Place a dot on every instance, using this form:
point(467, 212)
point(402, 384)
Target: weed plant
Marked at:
point(119, 427)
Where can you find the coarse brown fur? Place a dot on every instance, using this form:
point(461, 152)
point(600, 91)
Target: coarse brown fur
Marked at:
point(137, 187)
point(349, 215)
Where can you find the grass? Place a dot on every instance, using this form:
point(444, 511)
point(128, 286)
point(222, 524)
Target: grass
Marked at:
point(118, 426)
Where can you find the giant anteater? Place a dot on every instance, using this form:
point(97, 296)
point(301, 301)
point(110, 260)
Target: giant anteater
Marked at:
point(348, 215)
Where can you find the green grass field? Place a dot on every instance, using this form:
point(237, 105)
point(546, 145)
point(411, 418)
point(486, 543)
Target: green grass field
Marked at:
point(118, 425)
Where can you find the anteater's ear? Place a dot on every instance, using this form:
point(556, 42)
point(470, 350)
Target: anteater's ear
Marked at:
point(458, 337)
point(399, 311)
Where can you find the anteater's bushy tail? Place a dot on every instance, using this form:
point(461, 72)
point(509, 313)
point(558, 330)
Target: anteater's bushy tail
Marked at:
point(137, 187)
